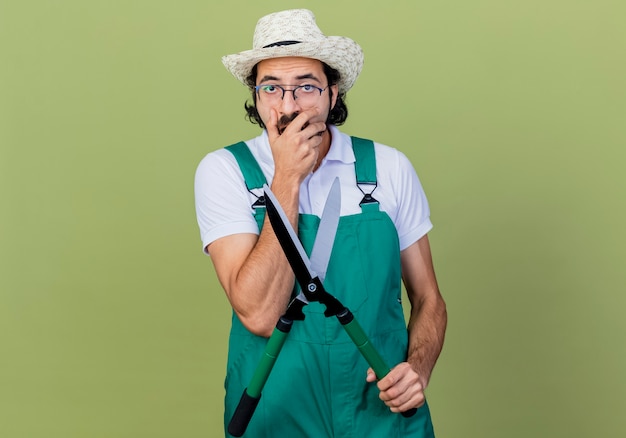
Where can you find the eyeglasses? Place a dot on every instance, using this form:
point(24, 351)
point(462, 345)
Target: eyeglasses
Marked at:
point(273, 93)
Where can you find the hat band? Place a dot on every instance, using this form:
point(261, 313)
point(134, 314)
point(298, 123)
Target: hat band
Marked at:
point(281, 43)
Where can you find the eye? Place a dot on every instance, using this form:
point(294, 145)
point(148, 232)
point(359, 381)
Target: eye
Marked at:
point(269, 89)
point(308, 88)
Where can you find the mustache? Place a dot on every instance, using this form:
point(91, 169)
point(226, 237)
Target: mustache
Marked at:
point(285, 120)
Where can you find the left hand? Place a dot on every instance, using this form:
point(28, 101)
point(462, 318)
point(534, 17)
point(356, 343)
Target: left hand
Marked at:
point(401, 389)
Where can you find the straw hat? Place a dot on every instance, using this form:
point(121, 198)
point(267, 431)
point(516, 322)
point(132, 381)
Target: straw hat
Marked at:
point(295, 33)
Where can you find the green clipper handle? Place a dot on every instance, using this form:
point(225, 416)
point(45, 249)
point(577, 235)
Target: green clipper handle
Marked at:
point(252, 394)
point(371, 355)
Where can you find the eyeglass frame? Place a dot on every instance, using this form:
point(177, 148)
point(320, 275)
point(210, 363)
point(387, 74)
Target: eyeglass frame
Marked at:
point(293, 90)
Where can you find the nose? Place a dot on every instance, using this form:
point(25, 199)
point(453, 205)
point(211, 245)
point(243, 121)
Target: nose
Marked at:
point(289, 103)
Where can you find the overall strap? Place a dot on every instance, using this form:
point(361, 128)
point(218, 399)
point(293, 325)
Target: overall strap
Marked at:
point(365, 168)
point(252, 175)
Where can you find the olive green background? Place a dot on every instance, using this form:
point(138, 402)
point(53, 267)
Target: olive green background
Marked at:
point(112, 323)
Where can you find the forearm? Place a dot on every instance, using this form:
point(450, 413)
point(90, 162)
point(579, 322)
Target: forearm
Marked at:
point(261, 290)
point(257, 277)
point(427, 327)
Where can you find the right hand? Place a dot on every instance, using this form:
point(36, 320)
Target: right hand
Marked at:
point(296, 150)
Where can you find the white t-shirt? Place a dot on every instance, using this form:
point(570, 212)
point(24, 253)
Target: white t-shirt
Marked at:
point(223, 203)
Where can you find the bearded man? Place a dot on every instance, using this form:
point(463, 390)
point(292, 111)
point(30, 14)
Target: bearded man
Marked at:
point(320, 385)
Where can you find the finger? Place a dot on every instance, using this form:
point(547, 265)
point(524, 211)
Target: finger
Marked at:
point(400, 371)
point(371, 376)
point(399, 379)
point(301, 122)
point(403, 401)
point(314, 130)
point(406, 393)
point(416, 401)
point(389, 380)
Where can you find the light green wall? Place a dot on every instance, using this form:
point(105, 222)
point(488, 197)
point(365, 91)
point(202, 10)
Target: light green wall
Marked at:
point(112, 323)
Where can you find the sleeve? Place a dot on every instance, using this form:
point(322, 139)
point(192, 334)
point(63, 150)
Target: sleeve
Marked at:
point(413, 212)
point(223, 205)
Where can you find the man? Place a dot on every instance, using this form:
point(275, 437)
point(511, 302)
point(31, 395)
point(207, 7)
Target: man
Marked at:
point(320, 385)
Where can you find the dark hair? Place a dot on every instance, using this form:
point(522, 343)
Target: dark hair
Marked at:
point(337, 115)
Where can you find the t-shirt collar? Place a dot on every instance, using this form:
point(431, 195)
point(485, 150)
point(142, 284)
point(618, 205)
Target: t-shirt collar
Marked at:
point(340, 147)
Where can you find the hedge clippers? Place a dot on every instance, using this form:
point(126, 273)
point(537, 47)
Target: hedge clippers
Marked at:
point(310, 274)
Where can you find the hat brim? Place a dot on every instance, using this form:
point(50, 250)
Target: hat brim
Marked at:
point(340, 53)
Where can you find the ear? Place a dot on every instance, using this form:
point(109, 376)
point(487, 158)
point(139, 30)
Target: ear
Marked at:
point(335, 90)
